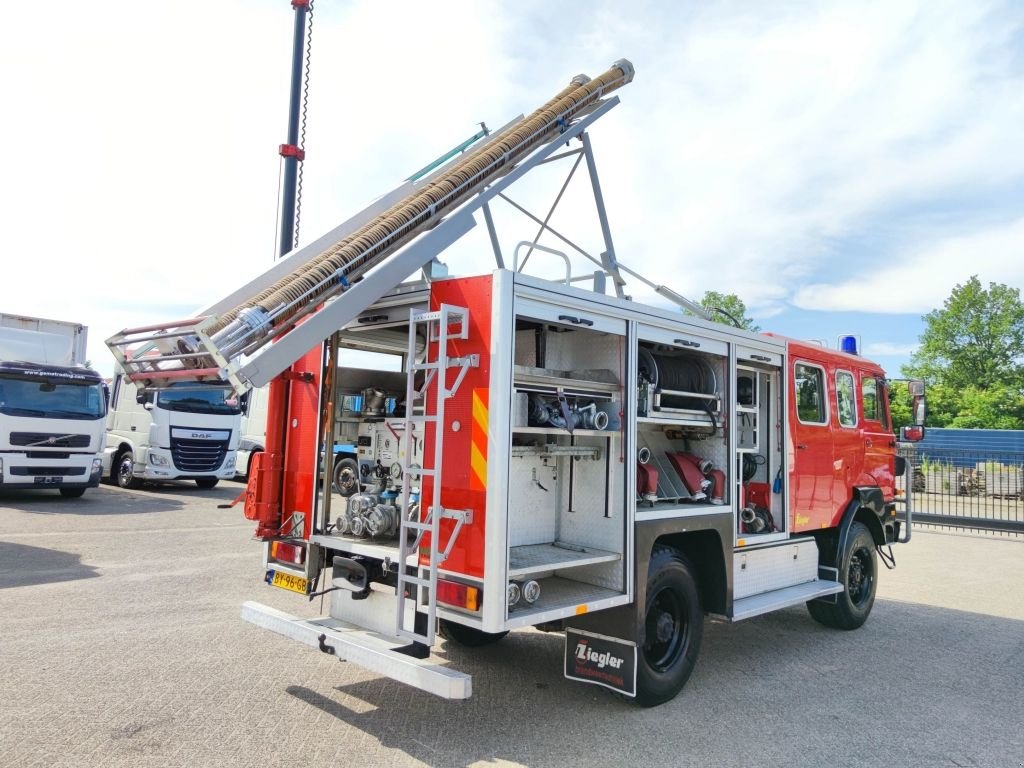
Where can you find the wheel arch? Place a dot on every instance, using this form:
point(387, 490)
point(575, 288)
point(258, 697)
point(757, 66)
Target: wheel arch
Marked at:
point(703, 549)
point(868, 507)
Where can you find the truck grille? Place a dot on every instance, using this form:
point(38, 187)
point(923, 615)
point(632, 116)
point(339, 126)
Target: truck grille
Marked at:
point(51, 471)
point(42, 440)
point(198, 455)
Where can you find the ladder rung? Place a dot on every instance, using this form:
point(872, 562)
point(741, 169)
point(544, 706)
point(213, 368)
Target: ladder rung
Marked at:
point(425, 366)
point(421, 418)
point(416, 580)
point(417, 525)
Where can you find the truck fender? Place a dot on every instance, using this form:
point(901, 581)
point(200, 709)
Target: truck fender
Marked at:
point(867, 506)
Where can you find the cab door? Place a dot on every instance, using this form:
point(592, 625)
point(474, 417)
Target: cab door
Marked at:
point(810, 446)
point(876, 432)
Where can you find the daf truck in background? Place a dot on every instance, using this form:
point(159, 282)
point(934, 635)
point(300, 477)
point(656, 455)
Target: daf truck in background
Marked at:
point(51, 407)
point(189, 431)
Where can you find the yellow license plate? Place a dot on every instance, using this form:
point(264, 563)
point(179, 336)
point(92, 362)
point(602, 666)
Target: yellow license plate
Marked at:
point(287, 581)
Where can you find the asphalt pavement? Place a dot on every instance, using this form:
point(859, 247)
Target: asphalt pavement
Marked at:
point(121, 645)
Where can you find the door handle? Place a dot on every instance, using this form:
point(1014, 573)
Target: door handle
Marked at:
point(802, 446)
point(868, 443)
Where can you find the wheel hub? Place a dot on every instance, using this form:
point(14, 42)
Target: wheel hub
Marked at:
point(664, 627)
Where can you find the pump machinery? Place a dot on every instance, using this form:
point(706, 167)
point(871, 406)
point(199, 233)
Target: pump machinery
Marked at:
point(534, 449)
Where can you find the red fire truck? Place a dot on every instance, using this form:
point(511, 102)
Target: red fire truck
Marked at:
point(535, 451)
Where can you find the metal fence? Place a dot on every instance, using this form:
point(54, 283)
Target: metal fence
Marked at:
point(973, 489)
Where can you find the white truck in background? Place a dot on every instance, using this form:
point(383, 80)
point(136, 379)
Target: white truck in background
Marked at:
point(189, 431)
point(253, 436)
point(51, 407)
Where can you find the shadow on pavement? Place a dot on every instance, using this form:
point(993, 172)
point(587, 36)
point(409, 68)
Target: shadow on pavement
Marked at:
point(96, 501)
point(948, 677)
point(23, 566)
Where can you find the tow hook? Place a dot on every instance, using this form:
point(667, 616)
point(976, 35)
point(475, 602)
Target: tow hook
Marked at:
point(324, 647)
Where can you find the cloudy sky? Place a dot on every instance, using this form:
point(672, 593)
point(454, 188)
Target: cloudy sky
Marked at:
point(840, 166)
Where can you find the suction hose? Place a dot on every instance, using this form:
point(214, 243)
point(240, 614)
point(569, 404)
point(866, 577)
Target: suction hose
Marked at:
point(332, 270)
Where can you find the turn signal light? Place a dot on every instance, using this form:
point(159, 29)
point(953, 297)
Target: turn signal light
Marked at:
point(458, 595)
point(284, 552)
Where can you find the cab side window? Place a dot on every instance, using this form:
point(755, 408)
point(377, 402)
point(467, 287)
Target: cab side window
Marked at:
point(873, 400)
point(846, 399)
point(810, 394)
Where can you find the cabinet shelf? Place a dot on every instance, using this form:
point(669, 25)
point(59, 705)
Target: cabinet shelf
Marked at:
point(594, 382)
point(552, 450)
point(563, 432)
point(539, 558)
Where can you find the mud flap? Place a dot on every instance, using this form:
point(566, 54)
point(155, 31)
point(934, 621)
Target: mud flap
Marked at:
point(601, 660)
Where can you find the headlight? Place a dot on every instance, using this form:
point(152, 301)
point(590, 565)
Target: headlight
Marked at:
point(230, 463)
point(97, 466)
point(157, 460)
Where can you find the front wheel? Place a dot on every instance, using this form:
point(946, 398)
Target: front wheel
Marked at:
point(672, 630)
point(125, 465)
point(206, 482)
point(858, 570)
point(72, 493)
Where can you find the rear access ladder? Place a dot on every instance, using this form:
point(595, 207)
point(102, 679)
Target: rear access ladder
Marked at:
point(421, 584)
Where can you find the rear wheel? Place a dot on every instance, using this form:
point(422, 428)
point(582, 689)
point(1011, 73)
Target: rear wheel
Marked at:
point(71, 493)
point(346, 476)
point(125, 468)
point(207, 482)
point(470, 637)
point(858, 570)
point(672, 630)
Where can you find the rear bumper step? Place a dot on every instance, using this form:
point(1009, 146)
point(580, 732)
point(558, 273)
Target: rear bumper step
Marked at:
point(367, 649)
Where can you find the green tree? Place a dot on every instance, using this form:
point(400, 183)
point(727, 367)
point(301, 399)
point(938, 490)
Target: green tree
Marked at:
point(976, 339)
point(972, 356)
point(723, 307)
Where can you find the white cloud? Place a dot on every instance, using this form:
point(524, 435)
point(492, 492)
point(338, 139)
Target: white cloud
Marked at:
point(756, 141)
point(888, 349)
point(920, 278)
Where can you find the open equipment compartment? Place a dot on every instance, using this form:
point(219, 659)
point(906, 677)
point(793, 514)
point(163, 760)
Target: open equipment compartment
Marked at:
point(682, 436)
point(759, 448)
point(567, 508)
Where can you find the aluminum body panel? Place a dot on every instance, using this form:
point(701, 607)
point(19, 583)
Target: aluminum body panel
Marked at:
point(763, 570)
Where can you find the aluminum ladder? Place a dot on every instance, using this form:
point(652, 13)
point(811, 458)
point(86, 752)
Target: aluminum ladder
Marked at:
point(420, 585)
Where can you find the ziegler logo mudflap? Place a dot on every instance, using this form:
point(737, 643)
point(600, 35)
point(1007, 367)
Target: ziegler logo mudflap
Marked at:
point(601, 660)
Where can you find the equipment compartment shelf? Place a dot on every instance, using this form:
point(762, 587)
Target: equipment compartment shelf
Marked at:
point(548, 380)
point(561, 594)
point(562, 431)
point(539, 558)
point(676, 418)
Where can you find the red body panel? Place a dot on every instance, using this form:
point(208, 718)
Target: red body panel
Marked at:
point(465, 425)
point(827, 460)
point(284, 479)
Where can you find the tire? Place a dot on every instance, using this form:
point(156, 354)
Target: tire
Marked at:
point(672, 629)
point(346, 477)
point(124, 469)
point(71, 493)
point(207, 482)
point(468, 637)
point(858, 572)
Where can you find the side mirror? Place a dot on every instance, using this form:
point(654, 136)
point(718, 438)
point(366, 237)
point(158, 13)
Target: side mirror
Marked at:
point(918, 408)
point(148, 405)
point(912, 434)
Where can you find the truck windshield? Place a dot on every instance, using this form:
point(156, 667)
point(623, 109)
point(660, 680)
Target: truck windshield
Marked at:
point(196, 398)
point(51, 397)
